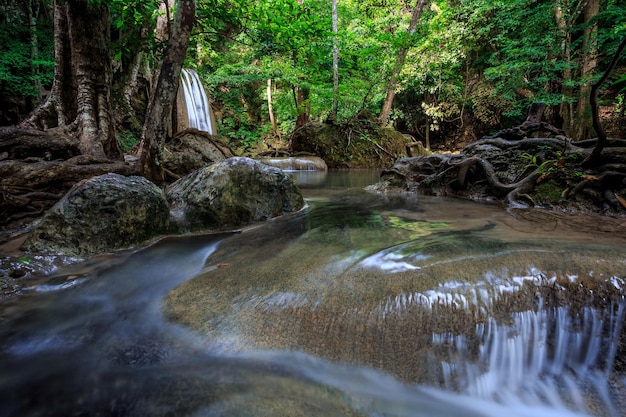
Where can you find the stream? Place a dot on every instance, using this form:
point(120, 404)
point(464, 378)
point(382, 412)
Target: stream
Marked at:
point(359, 305)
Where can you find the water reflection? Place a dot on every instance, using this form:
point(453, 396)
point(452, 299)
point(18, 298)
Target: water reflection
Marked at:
point(362, 304)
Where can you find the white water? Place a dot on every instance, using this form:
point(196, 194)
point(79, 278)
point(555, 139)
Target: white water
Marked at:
point(549, 356)
point(196, 102)
point(100, 346)
point(552, 355)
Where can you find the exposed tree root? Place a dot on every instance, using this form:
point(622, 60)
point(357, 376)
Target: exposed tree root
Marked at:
point(480, 170)
point(32, 185)
point(528, 143)
point(526, 129)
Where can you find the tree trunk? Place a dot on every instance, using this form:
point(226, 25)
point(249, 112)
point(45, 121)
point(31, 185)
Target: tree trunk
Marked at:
point(158, 116)
point(393, 79)
point(333, 114)
point(80, 95)
point(134, 69)
point(566, 109)
point(588, 65)
point(269, 106)
point(593, 101)
point(303, 106)
point(32, 15)
point(164, 20)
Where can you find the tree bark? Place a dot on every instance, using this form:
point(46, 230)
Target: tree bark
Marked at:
point(333, 114)
point(588, 65)
point(566, 109)
point(269, 106)
point(158, 116)
point(593, 99)
point(80, 96)
point(400, 58)
point(32, 14)
point(302, 104)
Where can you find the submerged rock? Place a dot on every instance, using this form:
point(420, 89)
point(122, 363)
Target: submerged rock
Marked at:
point(232, 193)
point(100, 214)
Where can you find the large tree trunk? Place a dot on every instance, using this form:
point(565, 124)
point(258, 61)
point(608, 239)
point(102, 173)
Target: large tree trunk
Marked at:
point(589, 62)
point(393, 79)
point(80, 95)
point(566, 109)
point(162, 101)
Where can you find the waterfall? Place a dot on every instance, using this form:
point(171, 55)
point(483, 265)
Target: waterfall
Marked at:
point(196, 104)
point(546, 356)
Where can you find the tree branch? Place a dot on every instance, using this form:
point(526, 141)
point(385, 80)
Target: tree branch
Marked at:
point(593, 99)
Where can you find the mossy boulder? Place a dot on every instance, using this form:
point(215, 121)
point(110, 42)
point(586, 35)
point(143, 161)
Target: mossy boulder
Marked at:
point(235, 192)
point(101, 214)
point(360, 143)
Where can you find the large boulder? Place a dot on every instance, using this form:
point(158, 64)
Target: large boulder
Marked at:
point(101, 214)
point(232, 193)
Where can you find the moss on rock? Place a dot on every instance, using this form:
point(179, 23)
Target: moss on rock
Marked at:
point(360, 143)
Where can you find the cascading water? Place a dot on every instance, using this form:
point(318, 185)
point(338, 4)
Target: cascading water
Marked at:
point(550, 355)
point(196, 104)
point(361, 305)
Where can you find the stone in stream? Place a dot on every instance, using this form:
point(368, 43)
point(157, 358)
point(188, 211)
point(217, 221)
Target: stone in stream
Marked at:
point(101, 214)
point(235, 192)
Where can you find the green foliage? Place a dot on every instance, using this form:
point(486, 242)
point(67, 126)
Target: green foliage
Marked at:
point(548, 164)
point(620, 106)
point(130, 21)
point(240, 135)
point(548, 192)
point(23, 72)
point(127, 140)
point(488, 58)
point(520, 48)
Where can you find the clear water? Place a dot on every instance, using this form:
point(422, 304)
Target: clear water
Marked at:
point(361, 304)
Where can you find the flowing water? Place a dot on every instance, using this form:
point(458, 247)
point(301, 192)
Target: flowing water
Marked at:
point(359, 305)
point(197, 105)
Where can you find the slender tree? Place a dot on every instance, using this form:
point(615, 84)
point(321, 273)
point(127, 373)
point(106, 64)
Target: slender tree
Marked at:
point(400, 58)
point(159, 110)
point(333, 114)
point(270, 111)
point(593, 101)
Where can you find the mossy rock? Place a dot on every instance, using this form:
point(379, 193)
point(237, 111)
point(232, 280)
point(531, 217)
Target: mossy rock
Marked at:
point(356, 144)
point(235, 192)
point(548, 192)
point(102, 214)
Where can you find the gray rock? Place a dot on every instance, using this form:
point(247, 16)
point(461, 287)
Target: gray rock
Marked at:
point(100, 214)
point(232, 193)
point(191, 149)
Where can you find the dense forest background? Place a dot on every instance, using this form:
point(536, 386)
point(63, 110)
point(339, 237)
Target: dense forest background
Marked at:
point(445, 72)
